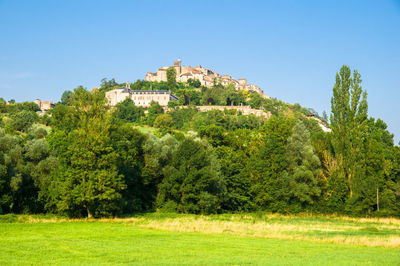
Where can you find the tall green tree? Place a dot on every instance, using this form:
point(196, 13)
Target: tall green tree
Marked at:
point(171, 78)
point(236, 179)
point(193, 181)
point(304, 171)
point(158, 153)
point(349, 124)
point(268, 164)
point(374, 190)
point(87, 181)
point(66, 97)
point(127, 142)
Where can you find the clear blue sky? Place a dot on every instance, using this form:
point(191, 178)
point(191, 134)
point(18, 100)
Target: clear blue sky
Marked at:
point(291, 49)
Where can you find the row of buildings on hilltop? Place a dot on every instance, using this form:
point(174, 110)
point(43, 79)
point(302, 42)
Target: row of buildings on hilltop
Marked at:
point(144, 98)
point(206, 77)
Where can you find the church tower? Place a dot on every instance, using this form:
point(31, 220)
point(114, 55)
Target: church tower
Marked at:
point(178, 67)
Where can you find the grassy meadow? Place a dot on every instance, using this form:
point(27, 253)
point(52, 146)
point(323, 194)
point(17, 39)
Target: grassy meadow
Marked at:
point(202, 240)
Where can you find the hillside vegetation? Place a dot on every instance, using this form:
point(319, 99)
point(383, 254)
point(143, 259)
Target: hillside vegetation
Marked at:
point(83, 159)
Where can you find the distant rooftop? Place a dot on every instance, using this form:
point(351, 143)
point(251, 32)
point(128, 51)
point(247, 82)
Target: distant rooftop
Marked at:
point(125, 89)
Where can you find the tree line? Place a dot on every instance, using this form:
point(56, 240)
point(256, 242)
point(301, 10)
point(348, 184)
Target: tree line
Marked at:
point(83, 159)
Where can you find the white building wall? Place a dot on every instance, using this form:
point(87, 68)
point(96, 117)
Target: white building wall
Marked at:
point(142, 98)
point(116, 96)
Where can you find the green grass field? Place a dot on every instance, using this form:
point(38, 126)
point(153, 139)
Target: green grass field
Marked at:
point(201, 240)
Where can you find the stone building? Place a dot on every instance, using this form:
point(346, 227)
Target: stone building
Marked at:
point(207, 77)
point(139, 97)
point(44, 105)
point(242, 84)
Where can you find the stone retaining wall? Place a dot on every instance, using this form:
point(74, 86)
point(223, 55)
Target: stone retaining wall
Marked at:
point(245, 110)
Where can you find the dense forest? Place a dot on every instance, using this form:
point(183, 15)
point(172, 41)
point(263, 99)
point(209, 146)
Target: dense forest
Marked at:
point(84, 159)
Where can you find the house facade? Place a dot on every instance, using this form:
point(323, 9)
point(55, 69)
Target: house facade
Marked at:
point(140, 97)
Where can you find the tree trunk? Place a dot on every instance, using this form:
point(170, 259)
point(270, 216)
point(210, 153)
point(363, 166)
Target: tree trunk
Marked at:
point(377, 199)
point(89, 215)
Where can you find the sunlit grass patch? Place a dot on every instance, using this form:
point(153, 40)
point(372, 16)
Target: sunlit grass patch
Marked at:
point(304, 227)
point(368, 232)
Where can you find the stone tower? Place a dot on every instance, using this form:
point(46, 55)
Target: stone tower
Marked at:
point(178, 67)
point(39, 103)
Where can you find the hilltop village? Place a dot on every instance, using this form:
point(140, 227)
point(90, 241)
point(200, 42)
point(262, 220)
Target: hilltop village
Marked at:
point(167, 98)
point(184, 74)
point(207, 77)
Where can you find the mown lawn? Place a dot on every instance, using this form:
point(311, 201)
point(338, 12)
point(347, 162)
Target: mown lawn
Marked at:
point(132, 241)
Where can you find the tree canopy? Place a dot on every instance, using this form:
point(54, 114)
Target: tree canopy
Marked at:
point(86, 159)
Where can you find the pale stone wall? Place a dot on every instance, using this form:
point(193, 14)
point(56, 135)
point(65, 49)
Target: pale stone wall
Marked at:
point(44, 105)
point(186, 69)
point(140, 98)
point(151, 76)
point(207, 81)
point(242, 84)
point(117, 95)
point(185, 77)
point(162, 74)
point(144, 99)
point(245, 110)
point(198, 76)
